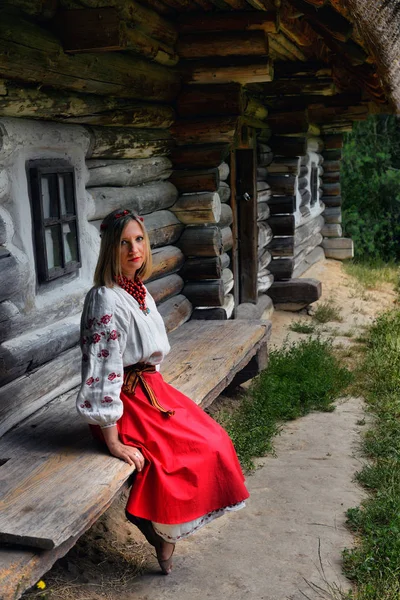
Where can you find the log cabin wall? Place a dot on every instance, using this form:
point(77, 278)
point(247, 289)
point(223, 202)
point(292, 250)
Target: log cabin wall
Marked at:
point(108, 117)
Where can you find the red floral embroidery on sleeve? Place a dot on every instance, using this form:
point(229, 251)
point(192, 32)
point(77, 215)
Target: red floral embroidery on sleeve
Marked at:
point(107, 400)
point(104, 353)
point(86, 404)
point(96, 338)
point(91, 322)
point(90, 381)
point(105, 319)
point(112, 376)
point(113, 335)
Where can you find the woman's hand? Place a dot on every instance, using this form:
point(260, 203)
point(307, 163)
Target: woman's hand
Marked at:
point(129, 454)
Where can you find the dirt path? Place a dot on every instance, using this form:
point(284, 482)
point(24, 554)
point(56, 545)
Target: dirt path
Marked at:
point(287, 543)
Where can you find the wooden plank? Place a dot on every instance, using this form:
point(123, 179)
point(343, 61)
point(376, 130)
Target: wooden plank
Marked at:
point(22, 397)
point(245, 339)
point(165, 287)
point(163, 228)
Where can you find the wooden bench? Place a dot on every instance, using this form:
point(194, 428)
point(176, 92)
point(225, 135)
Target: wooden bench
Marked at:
point(55, 480)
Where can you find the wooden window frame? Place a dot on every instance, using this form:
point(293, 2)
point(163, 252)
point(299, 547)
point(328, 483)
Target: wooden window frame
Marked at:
point(36, 170)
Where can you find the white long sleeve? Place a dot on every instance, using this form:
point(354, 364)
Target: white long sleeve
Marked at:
point(102, 342)
point(114, 334)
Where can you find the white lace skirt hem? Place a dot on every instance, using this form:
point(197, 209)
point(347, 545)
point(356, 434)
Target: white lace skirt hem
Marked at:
point(175, 533)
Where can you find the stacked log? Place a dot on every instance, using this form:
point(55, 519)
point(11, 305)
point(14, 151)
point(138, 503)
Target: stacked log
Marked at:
point(265, 233)
point(206, 240)
point(334, 244)
point(140, 185)
point(295, 207)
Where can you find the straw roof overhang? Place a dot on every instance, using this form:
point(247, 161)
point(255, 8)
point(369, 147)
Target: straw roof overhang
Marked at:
point(373, 44)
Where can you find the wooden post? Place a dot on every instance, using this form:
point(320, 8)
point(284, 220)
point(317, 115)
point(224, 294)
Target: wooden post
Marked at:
point(246, 194)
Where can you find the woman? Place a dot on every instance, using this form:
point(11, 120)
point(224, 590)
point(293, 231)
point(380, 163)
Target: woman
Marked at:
point(187, 470)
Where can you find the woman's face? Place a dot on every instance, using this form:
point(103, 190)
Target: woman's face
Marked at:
point(132, 249)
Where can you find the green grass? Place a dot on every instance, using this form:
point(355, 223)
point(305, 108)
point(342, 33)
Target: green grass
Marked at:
point(371, 276)
point(300, 378)
point(374, 565)
point(302, 327)
point(327, 311)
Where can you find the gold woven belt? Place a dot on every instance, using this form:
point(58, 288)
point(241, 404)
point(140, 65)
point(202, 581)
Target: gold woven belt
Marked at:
point(132, 375)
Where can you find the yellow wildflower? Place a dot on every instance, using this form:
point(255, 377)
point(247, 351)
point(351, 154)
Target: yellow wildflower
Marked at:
point(41, 585)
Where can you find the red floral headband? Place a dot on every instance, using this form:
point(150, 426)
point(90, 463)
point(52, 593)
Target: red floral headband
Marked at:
point(124, 213)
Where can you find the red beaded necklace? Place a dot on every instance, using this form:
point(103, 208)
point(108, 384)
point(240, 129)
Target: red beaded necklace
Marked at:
point(136, 289)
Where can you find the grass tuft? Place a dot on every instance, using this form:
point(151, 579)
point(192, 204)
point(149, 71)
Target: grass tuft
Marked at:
point(300, 378)
point(302, 327)
point(372, 276)
point(325, 312)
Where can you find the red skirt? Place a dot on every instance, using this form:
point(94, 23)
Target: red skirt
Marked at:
point(191, 466)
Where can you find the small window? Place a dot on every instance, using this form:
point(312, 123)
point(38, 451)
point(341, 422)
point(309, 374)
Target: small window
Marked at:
point(314, 184)
point(54, 219)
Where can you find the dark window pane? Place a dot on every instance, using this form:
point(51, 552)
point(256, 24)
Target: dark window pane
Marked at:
point(53, 246)
point(66, 187)
point(70, 242)
point(49, 196)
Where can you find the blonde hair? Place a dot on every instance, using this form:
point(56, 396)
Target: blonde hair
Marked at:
point(108, 266)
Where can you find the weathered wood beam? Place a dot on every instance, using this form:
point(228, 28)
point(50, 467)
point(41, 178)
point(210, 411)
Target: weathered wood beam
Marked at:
point(197, 157)
point(128, 10)
point(47, 104)
point(283, 185)
point(166, 287)
point(115, 142)
point(281, 246)
point(189, 182)
point(24, 55)
point(197, 209)
point(127, 172)
point(163, 228)
point(282, 225)
point(281, 268)
point(279, 205)
point(101, 30)
point(288, 146)
point(219, 71)
point(229, 21)
point(166, 260)
point(205, 131)
point(302, 102)
point(201, 241)
point(143, 199)
point(302, 291)
point(205, 293)
point(221, 44)
point(297, 29)
point(199, 100)
point(203, 268)
point(282, 48)
point(175, 311)
point(296, 86)
point(327, 17)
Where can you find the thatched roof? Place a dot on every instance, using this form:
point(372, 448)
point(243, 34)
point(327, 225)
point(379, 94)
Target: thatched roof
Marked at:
point(380, 22)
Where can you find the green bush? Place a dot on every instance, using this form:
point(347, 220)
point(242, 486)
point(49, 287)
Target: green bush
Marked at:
point(370, 180)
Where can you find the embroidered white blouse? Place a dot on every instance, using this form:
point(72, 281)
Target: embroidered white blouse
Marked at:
point(115, 333)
